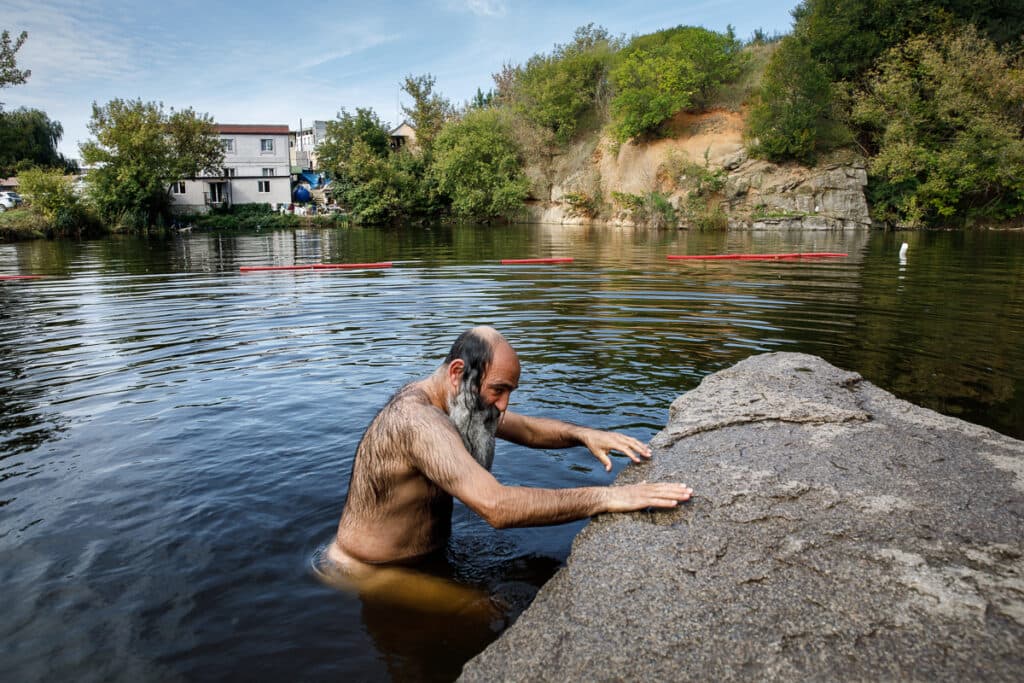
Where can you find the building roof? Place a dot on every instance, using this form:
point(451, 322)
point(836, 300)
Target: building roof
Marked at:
point(403, 124)
point(253, 128)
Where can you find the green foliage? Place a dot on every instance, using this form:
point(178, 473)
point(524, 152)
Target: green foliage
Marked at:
point(244, 217)
point(378, 189)
point(704, 214)
point(679, 170)
point(141, 149)
point(477, 165)
point(582, 204)
point(792, 118)
point(428, 112)
point(342, 133)
point(10, 74)
point(555, 90)
point(51, 195)
point(846, 36)
point(22, 224)
point(946, 119)
point(652, 210)
point(665, 72)
point(29, 138)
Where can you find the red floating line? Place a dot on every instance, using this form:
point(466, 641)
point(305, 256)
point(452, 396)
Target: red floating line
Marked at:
point(330, 266)
point(316, 266)
point(254, 269)
point(20, 277)
point(517, 261)
point(757, 257)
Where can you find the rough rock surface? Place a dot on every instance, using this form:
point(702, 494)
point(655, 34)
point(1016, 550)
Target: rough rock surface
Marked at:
point(837, 533)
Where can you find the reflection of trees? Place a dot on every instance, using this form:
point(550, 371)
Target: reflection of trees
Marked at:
point(945, 330)
point(23, 426)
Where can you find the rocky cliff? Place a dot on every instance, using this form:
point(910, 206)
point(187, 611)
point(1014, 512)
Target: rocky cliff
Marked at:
point(837, 533)
point(703, 164)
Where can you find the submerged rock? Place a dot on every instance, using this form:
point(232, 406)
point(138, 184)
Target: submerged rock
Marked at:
point(837, 533)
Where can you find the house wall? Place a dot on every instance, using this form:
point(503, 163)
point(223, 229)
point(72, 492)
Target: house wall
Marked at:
point(247, 160)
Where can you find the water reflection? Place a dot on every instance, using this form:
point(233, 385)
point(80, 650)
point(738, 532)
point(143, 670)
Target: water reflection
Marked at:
point(177, 436)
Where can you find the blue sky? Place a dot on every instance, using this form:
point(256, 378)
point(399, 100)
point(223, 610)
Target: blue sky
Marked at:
point(262, 62)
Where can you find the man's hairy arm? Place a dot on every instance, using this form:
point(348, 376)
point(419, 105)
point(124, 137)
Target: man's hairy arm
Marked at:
point(440, 455)
point(542, 432)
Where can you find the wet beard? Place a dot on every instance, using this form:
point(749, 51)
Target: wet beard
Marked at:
point(476, 424)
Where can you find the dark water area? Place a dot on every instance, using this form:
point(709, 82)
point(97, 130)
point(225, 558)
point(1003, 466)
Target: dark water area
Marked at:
point(176, 437)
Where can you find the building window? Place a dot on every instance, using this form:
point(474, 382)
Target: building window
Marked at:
point(178, 187)
point(267, 144)
point(264, 185)
point(268, 172)
point(229, 145)
point(229, 173)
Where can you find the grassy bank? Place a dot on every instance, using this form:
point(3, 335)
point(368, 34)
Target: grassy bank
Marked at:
point(24, 224)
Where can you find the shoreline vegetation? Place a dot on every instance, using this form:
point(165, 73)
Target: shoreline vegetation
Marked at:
point(926, 94)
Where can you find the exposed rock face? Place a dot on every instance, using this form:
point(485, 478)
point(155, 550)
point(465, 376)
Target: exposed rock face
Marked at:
point(757, 194)
point(828, 196)
point(838, 533)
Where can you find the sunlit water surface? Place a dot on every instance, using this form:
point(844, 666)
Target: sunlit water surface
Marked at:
point(176, 437)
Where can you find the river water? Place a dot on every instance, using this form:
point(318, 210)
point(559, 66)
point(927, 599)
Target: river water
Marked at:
point(176, 437)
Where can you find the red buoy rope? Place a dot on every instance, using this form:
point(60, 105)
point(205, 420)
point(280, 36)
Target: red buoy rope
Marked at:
point(757, 257)
point(315, 266)
point(20, 277)
point(518, 261)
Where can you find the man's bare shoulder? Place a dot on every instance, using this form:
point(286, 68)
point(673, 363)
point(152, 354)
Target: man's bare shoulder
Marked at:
point(411, 408)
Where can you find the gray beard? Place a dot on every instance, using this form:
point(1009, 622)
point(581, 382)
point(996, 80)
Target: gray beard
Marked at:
point(476, 423)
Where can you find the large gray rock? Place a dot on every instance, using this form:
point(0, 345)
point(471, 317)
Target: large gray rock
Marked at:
point(837, 533)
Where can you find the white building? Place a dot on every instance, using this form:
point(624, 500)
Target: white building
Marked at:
point(256, 171)
point(304, 144)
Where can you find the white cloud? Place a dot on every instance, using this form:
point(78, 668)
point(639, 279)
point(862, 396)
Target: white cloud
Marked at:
point(482, 8)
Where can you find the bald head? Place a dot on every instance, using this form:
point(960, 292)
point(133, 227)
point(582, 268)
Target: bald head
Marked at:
point(476, 348)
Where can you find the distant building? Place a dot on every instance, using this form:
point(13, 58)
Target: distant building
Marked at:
point(303, 145)
point(256, 171)
point(403, 135)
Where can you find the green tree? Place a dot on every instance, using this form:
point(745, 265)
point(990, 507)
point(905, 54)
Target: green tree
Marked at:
point(429, 110)
point(345, 131)
point(10, 74)
point(946, 119)
point(140, 149)
point(52, 194)
point(661, 73)
point(846, 36)
point(477, 164)
point(29, 138)
point(556, 90)
point(792, 117)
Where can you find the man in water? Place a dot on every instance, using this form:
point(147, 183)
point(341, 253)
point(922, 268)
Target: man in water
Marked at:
point(434, 440)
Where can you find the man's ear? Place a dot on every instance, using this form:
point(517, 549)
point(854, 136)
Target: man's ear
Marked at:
point(455, 369)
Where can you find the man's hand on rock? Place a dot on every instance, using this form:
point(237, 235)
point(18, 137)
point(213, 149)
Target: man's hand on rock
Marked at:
point(602, 443)
point(643, 495)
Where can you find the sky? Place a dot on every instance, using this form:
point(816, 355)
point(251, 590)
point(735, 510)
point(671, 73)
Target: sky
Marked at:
point(276, 63)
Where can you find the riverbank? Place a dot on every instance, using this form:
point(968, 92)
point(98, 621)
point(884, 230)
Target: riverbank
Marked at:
point(837, 533)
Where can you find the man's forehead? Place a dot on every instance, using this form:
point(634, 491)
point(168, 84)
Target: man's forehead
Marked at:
point(504, 365)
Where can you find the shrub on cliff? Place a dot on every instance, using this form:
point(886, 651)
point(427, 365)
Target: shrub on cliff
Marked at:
point(946, 119)
point(661, 73)
point(477, 164)
point(556, 90)
point(793, 115)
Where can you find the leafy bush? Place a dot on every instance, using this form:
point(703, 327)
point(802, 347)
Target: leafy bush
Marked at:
point(652, 210)
point(556, 90)
point(52, 195)
point(662, 73)
point(477, 165)
point(344, 131)
point(946, 119)
point(793, 117)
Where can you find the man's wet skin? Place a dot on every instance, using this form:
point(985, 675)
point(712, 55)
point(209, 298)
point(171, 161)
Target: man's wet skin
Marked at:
point(434, 440)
